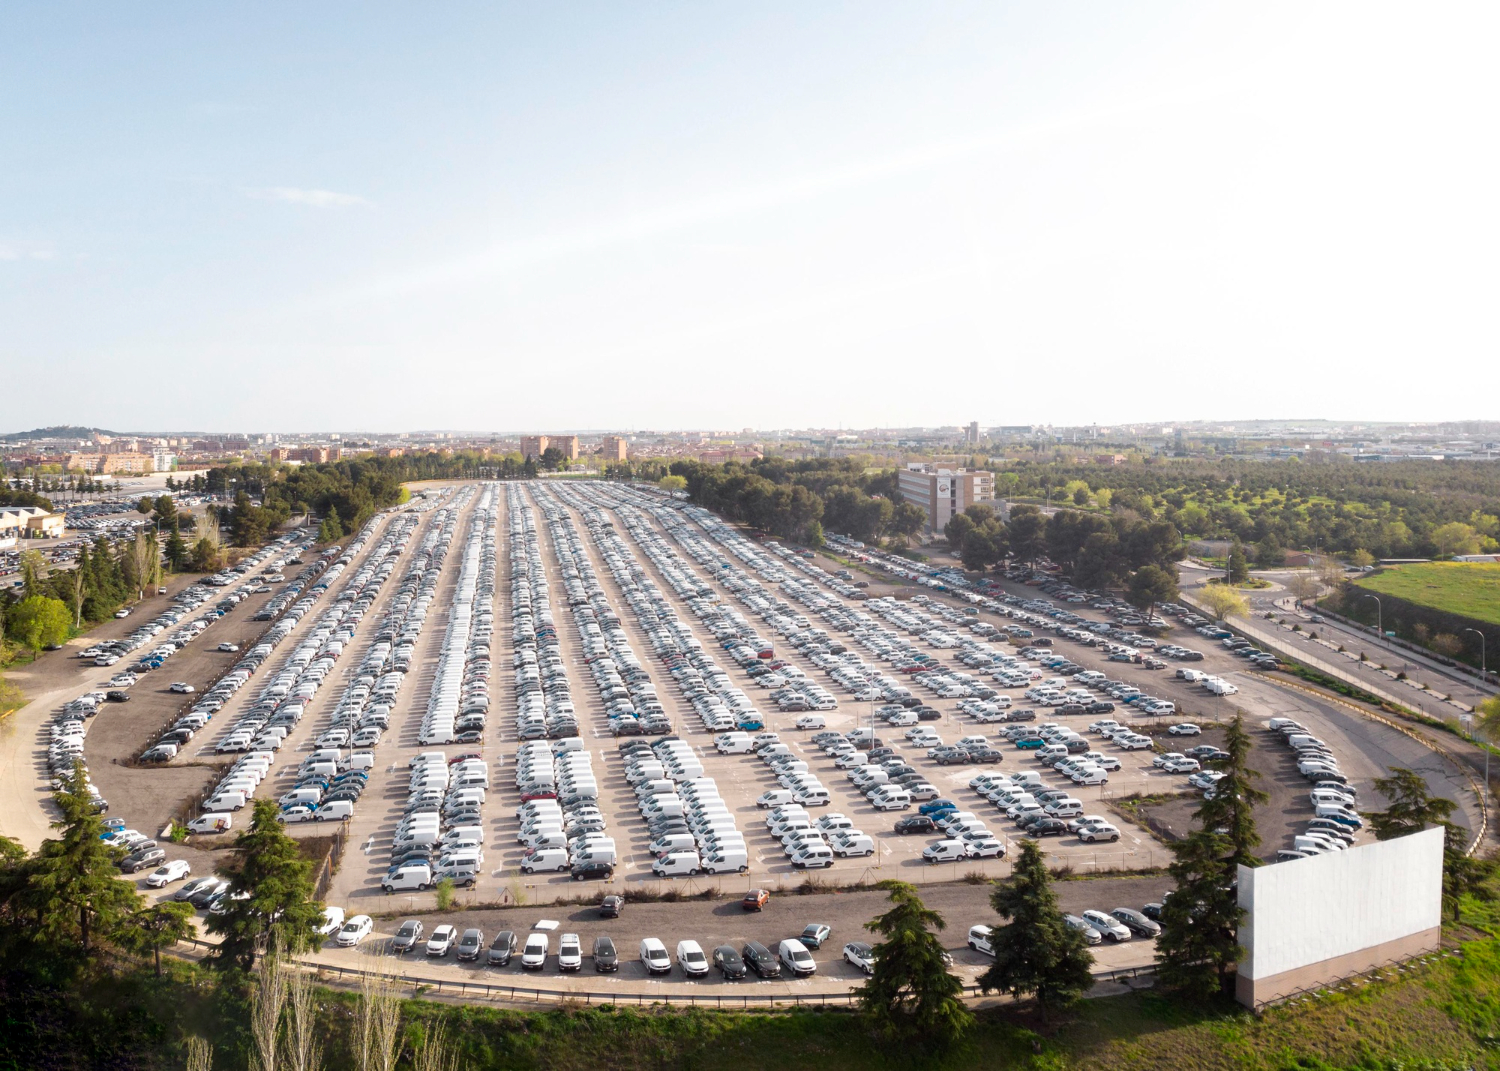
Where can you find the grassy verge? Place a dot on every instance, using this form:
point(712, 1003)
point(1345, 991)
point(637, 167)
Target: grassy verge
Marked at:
point(1468, 589)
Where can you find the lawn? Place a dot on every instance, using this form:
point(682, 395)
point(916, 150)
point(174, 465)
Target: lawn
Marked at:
point(1469, 589)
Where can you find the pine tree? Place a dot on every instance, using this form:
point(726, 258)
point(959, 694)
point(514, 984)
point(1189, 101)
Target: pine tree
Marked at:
point(331, 530)
point(74, 889)
point(912, 996)
point(156, 927)
point(280, 905)
point(1199, 944)
point(1413, 808)
point(1037, 953)
point(1239, 568)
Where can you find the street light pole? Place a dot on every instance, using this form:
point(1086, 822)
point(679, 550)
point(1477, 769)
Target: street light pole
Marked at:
point(1379, 616)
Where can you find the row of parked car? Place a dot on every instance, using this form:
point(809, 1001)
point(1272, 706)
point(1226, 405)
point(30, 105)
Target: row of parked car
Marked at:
point(460, 698)
point(1335, 823)
point(544, 700)
point(532, 951)
point(285, 697)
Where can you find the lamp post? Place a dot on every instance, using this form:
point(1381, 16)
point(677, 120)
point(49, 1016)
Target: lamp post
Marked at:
point(1483, 679)
point(1379, 616)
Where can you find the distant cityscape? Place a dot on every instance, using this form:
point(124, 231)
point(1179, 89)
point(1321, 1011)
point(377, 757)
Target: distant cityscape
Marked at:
point(98, 452)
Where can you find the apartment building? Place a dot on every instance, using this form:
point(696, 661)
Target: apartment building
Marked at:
point(942, 492)
point(133, 461)
point(534, 446)
point(614, 448)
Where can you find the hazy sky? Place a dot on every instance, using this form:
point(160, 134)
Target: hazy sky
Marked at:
point(546, 216)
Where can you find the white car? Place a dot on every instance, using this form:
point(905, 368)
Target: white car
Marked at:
point(1184, 728)
point(167, 873)
point(1181, 765)
point(691, 959)
point(354, 931)
point(986, 848)
point(569, 953)
point(442, 940)
point(333, 921)
point(229, 648)
point(181, 688)
point(860, 955)
point(300, 813)
point(1108, 926)
point(1098, 831)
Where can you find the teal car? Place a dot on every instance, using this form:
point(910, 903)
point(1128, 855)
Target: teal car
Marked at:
point(1030, 743)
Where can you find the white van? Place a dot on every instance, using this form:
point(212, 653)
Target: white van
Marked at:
point(944, 851)
point(596, 853)
point(778, 797)
point(812, 721)
point(336, 811)
point(672, 842)
point(813, 857)
point(677, 864)
point(1066, 807)
point(413, 877)
point(211, 823)
point(889, 798)
point(811, 797)
point(544, 859)
point(727, 859)
point(226, 801)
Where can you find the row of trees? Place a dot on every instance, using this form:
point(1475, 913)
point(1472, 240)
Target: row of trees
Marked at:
point(1097, 550)
point(68, 898)
point(789, 499)
point(1396, 509)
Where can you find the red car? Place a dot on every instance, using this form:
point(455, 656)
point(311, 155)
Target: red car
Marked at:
point(755, 899)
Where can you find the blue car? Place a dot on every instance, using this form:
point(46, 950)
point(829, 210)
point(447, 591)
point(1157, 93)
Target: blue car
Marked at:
point(934, 807)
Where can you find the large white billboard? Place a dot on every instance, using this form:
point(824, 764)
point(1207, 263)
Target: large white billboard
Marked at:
point(1313, 920)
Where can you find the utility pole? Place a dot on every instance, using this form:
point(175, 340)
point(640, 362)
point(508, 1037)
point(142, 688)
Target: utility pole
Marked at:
point(1379, 616)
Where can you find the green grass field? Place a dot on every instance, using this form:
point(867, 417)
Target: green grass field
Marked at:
point(1469, 589)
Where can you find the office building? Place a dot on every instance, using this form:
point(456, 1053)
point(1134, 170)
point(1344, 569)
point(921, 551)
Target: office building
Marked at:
point(942, 492)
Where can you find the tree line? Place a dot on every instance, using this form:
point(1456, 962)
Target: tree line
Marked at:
point(1387, 509)
point(798, 500)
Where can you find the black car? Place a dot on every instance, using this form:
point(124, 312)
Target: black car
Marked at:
point(210, 892)
point(611, 906)
point(1048, 827)
point(986, 754)
point(593, 872)
point(1152, 912)
point(407, 936)
point(502, 948)
point(1137, 922)
point(761, 960)
point(117, 697)
point(730, 962)
point(882, 753)
point(146, 855)
point(917, 823)
point(928, 714)
point(606, 959)
point(1100, 707)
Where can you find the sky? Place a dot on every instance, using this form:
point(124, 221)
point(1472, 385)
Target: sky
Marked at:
point(531, 217)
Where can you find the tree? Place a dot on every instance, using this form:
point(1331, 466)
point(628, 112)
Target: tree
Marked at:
point(1464, 874)
point(145, 505)
point(1231, 810)
point(1303, 586)
point(1223, 601)
point(1412, 808)
point(1037, 953)
point(906, 521)
point(1150, 585)
point(1455, 538)
point(280, 905)
point(205, 558)
point(176, 550)
point(815, 538)
point(911, 996)
point(1269, 553)
point(1027, 531)
point(38, 621)
point(73, 889)
point(672, 483)
point(156, 927)
point(1238, 570)
point(1488, 723)
point(1362, 558)
point(331, 530)
point(31, 572)
point(1200, 920)
point(552, 458)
